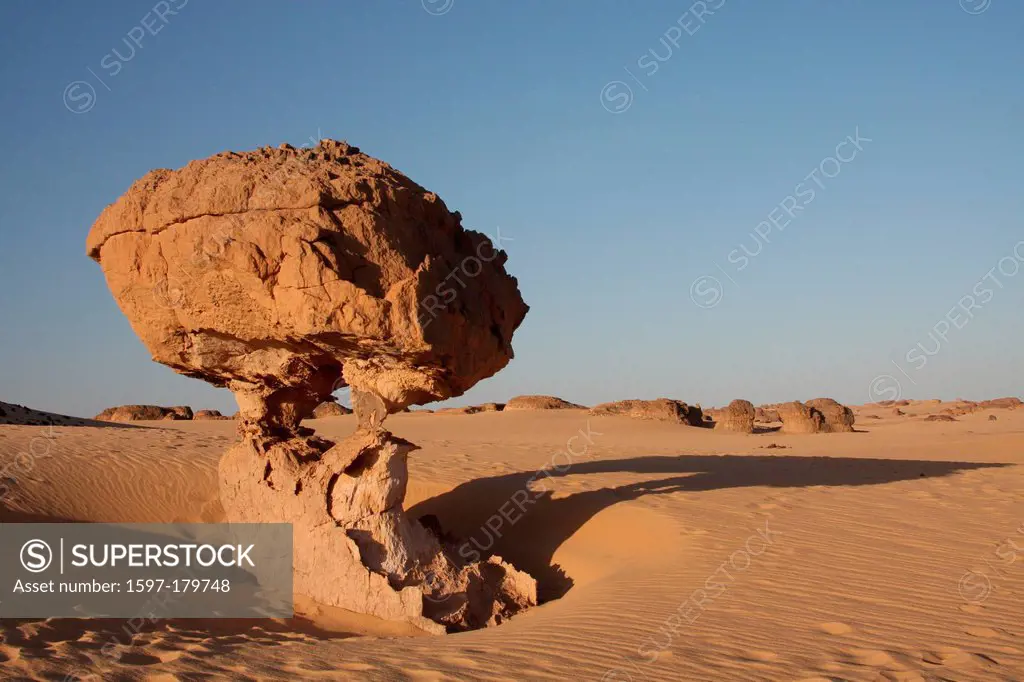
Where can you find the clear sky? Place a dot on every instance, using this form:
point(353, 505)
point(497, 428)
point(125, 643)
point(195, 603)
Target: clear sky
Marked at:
point(628, 150)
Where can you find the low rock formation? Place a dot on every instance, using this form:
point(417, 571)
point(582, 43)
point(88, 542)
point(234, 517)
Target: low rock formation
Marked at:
point(135, 413)
point(469, 409)
point(738, 416)
point(540, 402)
point(330, 409)
point(472, 409)
point(1001, 403)
point(766, 415)
point(661, 409)
point(210, 415)
point(992, 418)
point(799, 418)
point(285, 274)
point(940, 418)
point(897, 412)
point(838, 418)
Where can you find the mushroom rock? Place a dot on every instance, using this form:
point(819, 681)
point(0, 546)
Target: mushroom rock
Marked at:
point(285, 274)
point(737, 416)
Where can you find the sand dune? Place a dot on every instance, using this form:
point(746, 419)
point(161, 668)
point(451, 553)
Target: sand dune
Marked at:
point(661, 552)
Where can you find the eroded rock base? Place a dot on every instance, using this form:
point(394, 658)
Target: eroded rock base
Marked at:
point(354, 547)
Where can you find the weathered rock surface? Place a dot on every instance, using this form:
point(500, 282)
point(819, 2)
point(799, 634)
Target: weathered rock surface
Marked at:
point(800, 418)
point(472, 409)
point(661, 409)
point(1001, 403)
point(134, 413)
point(210, 415)
point(284, 275)
point(940, 418)
point(738, 416)
point(330, 409)
point(766, 415)
point(468, 409)
point(540, 402)
point(838, 418)
point(304, 265)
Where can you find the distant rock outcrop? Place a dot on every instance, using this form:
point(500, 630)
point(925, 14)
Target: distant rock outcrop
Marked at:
point(135, 413)
point(940, 418)
point(472, 409)
point(799, 418)
point(661, 409)
point(209, 415)
point(1000, 403)
point(738, 416)
point(838, 418)
point(540, 402)
point(766, 415)
point(465, 409)
point(330, 409)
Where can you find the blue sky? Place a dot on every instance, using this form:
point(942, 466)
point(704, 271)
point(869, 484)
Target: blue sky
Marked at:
point(502, 108)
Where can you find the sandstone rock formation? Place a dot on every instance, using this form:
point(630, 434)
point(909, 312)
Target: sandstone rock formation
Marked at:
point(209, 415)
point(661, 409)
point(897, 412)
point(134, 413)
point(469, 409)
point(472, 409)
point(940, 418)
point(799, 418)
point(737, 416)
point(285, 274)
point(1001, 403)
point(330, 409)
point(766, 415)
point(838, 418)
point(540, 402)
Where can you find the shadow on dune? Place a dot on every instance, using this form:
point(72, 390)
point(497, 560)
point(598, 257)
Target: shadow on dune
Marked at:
point(529, 538)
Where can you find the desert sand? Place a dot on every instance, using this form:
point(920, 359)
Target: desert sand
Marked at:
point(661, 551)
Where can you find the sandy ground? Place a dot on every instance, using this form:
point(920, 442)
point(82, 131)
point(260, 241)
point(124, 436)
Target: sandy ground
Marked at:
point(663, 552)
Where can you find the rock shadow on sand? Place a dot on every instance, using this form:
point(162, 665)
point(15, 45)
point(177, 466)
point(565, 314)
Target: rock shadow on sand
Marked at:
point(546, 522)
